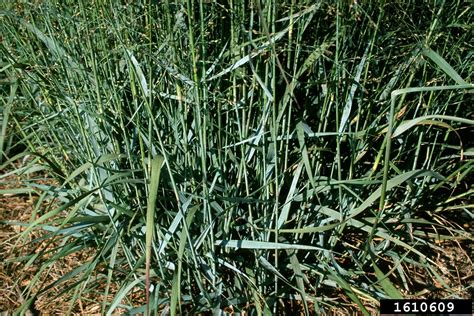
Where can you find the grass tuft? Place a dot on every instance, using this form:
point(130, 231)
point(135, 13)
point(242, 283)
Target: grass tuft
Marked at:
point(262, 157)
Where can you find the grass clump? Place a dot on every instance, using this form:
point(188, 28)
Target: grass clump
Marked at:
point(310, 155)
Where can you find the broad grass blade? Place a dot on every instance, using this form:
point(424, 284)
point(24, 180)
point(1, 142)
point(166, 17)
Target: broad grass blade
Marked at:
point(156, 165)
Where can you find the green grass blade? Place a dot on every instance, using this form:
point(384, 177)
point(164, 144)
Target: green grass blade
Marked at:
point(443, 64)
point(251, 244)
point(388, 286)
point(427, 120)
point(155, 166)
point(4, 119)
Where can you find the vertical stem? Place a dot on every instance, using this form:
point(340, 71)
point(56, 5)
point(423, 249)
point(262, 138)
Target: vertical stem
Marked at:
point(337, 80)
